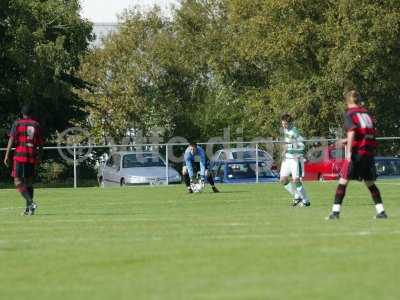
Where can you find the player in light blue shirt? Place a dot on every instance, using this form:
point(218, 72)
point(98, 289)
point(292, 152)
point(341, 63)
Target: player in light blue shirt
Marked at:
point(195, 160)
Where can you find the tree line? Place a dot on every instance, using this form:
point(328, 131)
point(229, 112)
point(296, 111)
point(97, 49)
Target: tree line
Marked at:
point(214, 64)
point(241, 64)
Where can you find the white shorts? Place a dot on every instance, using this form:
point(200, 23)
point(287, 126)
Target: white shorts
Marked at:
point(292, 167)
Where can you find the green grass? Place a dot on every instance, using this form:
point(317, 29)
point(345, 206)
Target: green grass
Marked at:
point(160, 243)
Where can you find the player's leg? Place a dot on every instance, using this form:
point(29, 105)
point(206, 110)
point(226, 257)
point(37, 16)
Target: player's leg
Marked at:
point(285, 172)
point(297, 167)
point(339, 196)
point(186, 178)
point(22, 189)
point(376, 197)
point(210, 179)
point(369, 176)
point(347, 172)
point(29, 186)
point(20, 173)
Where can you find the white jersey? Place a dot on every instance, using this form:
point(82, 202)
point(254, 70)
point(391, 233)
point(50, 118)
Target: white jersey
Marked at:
point(294, 143)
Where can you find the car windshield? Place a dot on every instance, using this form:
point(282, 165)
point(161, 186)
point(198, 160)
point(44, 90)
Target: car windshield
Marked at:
point(337, 154)
point(140, 160)
point(248, 154)
point(248, 170)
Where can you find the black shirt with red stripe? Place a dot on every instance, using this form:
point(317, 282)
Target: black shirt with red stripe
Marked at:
point(27, 138)
point(359, 120)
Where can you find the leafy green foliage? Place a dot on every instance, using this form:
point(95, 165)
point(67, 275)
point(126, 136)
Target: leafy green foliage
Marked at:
point(41, 45)
point(241, 64)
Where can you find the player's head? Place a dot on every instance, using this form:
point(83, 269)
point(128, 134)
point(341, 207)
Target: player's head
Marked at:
point(26, 110)
point(286, 121)
point(193, 147)
point(352, 97)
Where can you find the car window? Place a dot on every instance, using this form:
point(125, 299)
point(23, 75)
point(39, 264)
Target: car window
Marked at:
point(315, 155)
point(244, 155)
point(220, 171)
point(117, 161)
point(139, 160)
point(240, 170)
point(394, 167)
point(388, 167)
point(249, 154)
point(110, 162)
point(264, 170)
point(220, 155)
point(336, 154)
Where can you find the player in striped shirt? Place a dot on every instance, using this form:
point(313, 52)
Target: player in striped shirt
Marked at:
point(360, 152)
point(293, 162)
point(26, 137)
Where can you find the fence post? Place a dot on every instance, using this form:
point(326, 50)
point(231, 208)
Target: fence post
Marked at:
point(166, 164)
point(256, 162)
point(75, 179)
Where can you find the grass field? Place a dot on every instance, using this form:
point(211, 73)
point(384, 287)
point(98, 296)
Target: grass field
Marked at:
point(160, 243)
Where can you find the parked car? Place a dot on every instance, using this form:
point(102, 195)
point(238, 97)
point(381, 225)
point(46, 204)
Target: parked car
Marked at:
point(387, 167)
point(242, 171)
point(135, 168)
point(243, 154)
point(324, 163)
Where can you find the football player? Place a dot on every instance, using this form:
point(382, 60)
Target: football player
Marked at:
point(360, 151)
point(191, 167)
point(293, 162)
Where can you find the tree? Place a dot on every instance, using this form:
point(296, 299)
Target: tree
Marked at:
point(41, 44)
point(241, 64)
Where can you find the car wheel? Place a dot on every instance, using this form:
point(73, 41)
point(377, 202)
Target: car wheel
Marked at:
point(122, 182)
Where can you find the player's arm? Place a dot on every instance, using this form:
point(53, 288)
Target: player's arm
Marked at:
point(297, 142)
point(202, 155)
point(13, 137)
point(188, 163)
point(9, 146)
point(349, 126)
point(300, 143)
point(349, 142)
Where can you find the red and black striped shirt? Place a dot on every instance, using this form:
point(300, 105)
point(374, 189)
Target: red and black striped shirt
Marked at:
point(358, 119)
point(27, 137)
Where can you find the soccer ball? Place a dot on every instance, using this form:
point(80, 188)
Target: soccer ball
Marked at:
point(197, 187)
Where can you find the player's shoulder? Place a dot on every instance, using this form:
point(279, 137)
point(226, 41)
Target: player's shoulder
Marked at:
point(200, 149)
point(294, 131)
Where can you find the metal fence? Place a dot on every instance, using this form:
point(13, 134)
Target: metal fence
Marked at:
point(78, 165)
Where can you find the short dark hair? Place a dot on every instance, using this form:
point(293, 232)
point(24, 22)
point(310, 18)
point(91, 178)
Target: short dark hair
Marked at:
point(286, 117)
point(192, 143)
point(26, 109)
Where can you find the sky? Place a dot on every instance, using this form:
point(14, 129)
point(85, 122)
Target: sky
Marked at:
point(105, 11)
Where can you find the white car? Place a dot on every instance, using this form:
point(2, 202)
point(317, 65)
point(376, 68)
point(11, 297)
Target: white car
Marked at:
point(136, 168)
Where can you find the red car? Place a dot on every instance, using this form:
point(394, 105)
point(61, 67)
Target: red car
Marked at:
point(323, 163)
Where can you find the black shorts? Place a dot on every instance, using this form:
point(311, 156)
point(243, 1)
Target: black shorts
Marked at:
point(23, 170)
point(360, 168)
